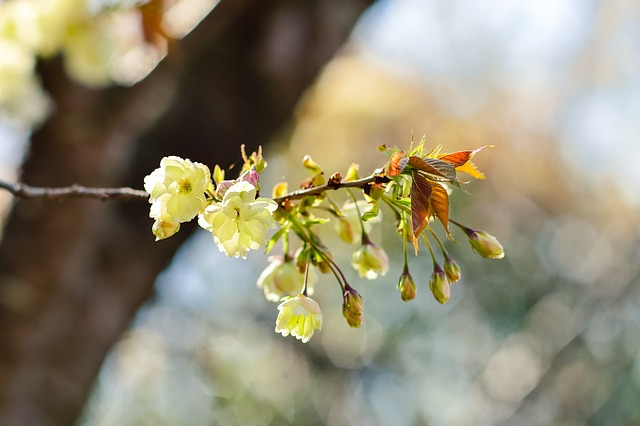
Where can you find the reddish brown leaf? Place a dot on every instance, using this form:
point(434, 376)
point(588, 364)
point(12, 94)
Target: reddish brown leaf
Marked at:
point(460, 160)
point(397, 163)
point(420, 205)
point(456, 158)
point(440, 205)
point(439, 169)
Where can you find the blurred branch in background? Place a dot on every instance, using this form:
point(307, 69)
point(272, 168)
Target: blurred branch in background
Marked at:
point(74, 274)
point(21, 190)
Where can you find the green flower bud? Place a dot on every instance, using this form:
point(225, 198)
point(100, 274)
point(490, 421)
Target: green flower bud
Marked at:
point(452, 269)
point(485, 244)
point(164, 230)
point(407, 287)
point(439, 285)
point(353, 307)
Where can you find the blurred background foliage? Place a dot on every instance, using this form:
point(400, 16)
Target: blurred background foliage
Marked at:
point(547, 336)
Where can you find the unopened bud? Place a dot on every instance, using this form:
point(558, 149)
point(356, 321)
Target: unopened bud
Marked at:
point(439, 285)
point(311, 165)
point(376, 190)
point(452, 269)
point(222, 187)
point(407, 287)
point(352, 173)
point(344, 229)
point(280, 190)
point(164, 230)
point(353, 307)
point(252, 177)
point(485, 244)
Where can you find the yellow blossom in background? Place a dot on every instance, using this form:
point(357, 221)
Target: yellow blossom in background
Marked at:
point(299, 316)
point(177, 189)
point(283, 278)
point(348, 226)
point(239, 222)
point(370, 260)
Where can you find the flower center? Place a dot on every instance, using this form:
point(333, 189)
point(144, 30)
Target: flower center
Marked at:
point(184, 186)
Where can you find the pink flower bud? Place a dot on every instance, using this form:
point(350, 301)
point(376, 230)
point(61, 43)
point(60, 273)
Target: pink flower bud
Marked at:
point(252, 177)
point(407, 287)
point(353, 307)
point(452, 269)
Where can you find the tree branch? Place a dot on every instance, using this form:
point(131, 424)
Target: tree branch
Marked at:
point(22, 190)
point(331, 185)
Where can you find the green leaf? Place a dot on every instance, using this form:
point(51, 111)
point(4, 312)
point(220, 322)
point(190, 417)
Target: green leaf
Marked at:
point(274, 239)
point(373, 209)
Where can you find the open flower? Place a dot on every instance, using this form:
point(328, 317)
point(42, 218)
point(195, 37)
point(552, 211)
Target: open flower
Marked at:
point(370, 260)
point(283, 278)
point(239, 222)
point(299, 316)
point(177, 190)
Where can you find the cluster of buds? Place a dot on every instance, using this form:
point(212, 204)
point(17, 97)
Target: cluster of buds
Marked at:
point(415, 187)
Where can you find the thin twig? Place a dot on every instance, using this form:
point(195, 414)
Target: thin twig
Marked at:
point(22, 190)
point(316, 190)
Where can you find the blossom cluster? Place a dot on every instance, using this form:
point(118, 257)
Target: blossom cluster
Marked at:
point(101, 42)
point(415, 186)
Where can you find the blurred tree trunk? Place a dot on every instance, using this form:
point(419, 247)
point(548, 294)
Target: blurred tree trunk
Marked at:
point(73, 273)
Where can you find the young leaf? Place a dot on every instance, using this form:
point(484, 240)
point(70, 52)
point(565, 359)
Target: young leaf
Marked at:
point(272, 242)
point(471, 169)
point(440, 170)
point(421, 190)
point(373, 209)
point(440, 205)
point(461, 161)
point(397, 163)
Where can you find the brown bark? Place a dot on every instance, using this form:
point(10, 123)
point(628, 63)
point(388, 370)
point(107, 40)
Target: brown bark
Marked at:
point(73, 273)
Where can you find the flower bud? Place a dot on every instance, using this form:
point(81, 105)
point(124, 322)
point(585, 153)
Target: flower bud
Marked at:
point(222, 187)
point(452, 269)
point(376, 190)
point(407, 287)
point(485, 244)
point(345, 230)
point(252, 177)
point(311, 165)
point(370, 260)
point(353, 307)
point(164, 230)
point(439, 285)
